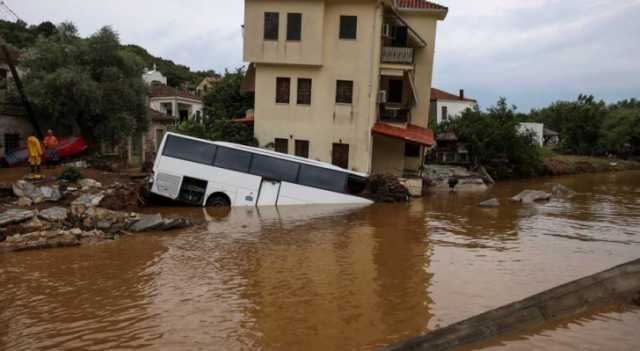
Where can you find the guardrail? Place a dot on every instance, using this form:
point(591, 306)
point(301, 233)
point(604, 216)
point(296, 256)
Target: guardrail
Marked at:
point(397, 55)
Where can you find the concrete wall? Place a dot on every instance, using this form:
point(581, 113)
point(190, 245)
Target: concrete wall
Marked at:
point(388, 155)
point(454, 108)
point(308, 51)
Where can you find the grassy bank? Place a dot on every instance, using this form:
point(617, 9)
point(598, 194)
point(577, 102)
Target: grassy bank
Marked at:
point(570, 164)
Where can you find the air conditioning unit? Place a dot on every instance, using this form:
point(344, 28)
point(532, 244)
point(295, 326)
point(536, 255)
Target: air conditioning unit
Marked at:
point(382, 97)
point(387, 31)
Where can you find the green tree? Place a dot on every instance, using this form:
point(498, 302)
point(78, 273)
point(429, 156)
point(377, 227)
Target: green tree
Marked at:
point(578, 122)
point(226, 99)
point(87, 85)
point(220, 129)
point(493, 140)
point(621, 129)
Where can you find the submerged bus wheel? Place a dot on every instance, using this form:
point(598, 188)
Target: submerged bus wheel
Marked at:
point(218, 200)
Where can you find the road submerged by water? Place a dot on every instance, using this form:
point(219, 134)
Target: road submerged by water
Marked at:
point(326, 278)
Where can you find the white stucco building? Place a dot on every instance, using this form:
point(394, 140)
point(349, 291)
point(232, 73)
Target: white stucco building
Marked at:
point(154, 76)
point(446, 106)
point(175, 102)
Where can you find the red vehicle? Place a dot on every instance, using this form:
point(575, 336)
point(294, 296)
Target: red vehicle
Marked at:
point(68, 147)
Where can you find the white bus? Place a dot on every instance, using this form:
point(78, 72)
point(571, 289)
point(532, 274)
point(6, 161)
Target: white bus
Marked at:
point(205, 173)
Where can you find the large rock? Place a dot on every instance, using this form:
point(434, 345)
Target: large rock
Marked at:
point(493, 203)
point(80, 205)
point(531, 196)
point(24, 189)
point(148, 223)
point(562, 191)
point(24, 202)
point(54, 214)
point(15, 216)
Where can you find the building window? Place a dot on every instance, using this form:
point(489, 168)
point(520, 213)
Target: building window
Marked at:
point(304, 91)
point(294, 26)
point(283, 90)
point(11, 142)
point(282, 145)
point(411, 150)
point(344, 92)
point(348, 27)
point(340, 155)
point(302, 148)
point(271, 25)
point(445, 113)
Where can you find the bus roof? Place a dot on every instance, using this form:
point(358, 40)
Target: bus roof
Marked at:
point(279, 155)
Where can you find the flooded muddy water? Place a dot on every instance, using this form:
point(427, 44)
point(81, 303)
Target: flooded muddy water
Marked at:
point(326, 278)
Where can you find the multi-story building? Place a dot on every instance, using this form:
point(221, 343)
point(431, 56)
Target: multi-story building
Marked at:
point(343, 81)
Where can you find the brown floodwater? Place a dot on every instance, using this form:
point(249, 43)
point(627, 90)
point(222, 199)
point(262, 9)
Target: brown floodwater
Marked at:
point(328, 278)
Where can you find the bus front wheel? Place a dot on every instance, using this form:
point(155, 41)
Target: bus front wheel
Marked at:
point(218, 200)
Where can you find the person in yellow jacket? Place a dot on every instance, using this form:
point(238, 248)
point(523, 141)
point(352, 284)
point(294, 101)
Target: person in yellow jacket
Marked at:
point(35, 153)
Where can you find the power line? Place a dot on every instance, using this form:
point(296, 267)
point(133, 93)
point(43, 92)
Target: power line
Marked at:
point(8, 12)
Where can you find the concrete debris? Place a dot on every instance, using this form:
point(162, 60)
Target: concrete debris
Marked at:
point(77, 164)
point(88, 184)
point(414, 185)
point(561, 191)
point(15, 216)
point(493, 203)
point(25, 202)
point(24, 189)
point(148, 223)
point(80, 205)
point(54, 214)
point(531, 196)
point(438, 177)
point(34, 224)
point(387, 188)
point(51, 239)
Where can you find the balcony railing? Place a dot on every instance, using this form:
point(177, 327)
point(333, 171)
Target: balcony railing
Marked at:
point(394, 114)
point(397, 55)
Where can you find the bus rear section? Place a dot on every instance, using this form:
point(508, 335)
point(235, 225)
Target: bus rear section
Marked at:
point(204, 173)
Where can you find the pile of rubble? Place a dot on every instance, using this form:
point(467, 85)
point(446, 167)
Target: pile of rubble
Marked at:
point(72, 214)
point(438, 176)
point(387, 188)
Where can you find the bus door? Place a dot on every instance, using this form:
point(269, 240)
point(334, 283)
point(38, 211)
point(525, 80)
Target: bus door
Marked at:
point(269, 191)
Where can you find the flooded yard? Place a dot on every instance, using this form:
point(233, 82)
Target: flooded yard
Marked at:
point(327, 278)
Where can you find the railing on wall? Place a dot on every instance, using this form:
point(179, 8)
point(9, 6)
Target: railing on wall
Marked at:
point(397, 55)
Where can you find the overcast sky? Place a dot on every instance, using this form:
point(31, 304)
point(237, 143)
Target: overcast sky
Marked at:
point(531, 51)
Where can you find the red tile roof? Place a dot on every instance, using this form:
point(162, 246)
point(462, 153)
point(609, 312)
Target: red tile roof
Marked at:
point(411, 133)
point(245, 120)
point(419, 5)
point(161, 90)
point(437, 94)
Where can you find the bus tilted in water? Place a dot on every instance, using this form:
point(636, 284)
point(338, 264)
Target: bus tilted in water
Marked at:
point(206, 173)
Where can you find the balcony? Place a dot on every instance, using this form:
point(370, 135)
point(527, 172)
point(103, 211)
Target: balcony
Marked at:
point(397, 55)
point(390, 113)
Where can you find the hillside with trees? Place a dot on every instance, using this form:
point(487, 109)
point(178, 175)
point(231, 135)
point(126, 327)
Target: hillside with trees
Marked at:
point(24, 36)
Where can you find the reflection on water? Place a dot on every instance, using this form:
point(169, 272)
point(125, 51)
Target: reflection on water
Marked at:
point(322, 278)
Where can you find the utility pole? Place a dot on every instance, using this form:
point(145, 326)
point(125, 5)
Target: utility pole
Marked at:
point(7, 9)
point(25, 102)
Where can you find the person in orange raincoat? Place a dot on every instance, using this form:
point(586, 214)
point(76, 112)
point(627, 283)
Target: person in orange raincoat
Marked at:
point(51, 147)
point(35, 153)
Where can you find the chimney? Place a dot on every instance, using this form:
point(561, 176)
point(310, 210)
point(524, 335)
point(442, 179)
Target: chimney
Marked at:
point(461, 93)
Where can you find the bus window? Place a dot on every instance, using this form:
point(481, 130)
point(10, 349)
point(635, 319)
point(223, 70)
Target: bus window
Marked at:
point(322, 178)
point(233, 159)
point(189, 150)
point(356, 185)
point(274, 168)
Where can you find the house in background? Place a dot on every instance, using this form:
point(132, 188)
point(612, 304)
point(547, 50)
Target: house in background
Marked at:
point(175, 102)
point(206, 85)
point(15, 128)
point(335, 81)
point(446, 106)
point(154, 76)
